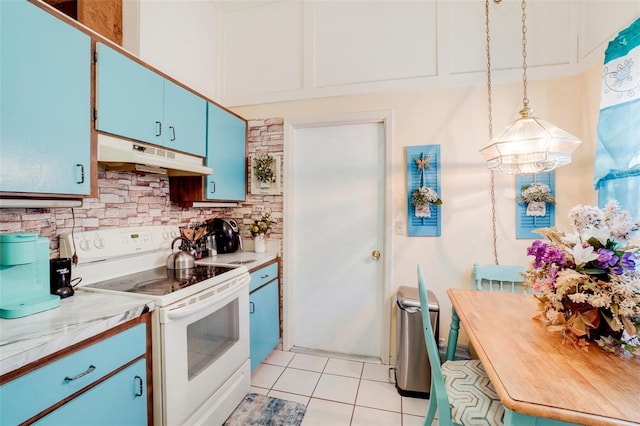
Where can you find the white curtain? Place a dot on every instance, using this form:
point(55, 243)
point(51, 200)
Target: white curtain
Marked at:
point(617, 166)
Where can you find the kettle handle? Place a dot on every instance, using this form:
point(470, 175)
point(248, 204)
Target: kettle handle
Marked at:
point(173, 243)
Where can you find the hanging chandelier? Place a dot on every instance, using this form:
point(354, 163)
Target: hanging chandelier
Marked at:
point(529, 144)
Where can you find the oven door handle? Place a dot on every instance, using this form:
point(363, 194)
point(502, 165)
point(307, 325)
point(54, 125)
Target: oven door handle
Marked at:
point(183, 312)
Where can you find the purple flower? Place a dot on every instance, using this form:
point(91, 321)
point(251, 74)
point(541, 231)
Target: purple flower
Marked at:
point(628, 261)
point(554, 255)
point(606, 258)
point(545, 254)
point(537, 249)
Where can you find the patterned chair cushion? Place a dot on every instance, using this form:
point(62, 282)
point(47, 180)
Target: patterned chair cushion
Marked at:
point(472, 397)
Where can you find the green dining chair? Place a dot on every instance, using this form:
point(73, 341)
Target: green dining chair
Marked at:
point(461, 393)
point(489, 278)
point(499, 277)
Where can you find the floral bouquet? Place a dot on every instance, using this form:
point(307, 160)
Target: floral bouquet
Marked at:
point(536, 196)
point(588, 282)
point(536, 192)
point(422, 198)
point(263, 225)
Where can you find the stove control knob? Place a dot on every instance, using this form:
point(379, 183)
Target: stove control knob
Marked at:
point(84, 245)
point(98, 243)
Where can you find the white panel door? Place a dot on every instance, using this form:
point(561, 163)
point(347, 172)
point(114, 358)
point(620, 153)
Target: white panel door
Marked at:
point(337, 205)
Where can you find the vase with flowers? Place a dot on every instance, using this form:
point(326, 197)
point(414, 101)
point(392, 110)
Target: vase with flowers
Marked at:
point(260, 229)
point(422, 199)
point(536, 196)
point(588, 281)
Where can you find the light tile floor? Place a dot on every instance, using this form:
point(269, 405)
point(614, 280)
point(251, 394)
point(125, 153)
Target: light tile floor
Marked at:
point(336, 391)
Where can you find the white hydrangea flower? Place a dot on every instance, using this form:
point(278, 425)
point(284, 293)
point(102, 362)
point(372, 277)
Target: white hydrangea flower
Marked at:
point(586, 217)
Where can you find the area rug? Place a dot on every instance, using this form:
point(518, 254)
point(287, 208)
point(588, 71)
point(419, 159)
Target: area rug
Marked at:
point(256, 409)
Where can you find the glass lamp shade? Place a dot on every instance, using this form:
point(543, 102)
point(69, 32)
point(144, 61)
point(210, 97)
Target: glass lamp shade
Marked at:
point(529, 145)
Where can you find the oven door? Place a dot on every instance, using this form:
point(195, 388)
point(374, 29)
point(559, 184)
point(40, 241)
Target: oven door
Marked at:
point(204, 341)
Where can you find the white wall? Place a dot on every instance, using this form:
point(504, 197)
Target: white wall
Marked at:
point(247, 52)
point(439, 98)
point(283, 50)
point(179, 37)
point(456, 118)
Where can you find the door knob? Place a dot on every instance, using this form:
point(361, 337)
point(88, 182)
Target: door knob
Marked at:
point(375, 254)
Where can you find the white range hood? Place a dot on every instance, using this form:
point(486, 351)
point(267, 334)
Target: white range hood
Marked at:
point(122, 154)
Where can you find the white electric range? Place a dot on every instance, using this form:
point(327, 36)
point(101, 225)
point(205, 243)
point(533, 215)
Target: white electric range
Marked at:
point(200, 326)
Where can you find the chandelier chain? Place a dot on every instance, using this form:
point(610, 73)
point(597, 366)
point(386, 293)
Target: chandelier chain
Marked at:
point(490, 110)
point(525, 99)
point(493, 217)
point(488, 50)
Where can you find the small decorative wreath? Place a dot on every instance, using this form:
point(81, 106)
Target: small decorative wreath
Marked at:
point(263, 168)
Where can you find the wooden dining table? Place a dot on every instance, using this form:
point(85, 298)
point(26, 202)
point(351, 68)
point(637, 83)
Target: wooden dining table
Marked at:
point(541, 379)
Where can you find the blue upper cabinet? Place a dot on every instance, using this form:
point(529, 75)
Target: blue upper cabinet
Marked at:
point(226, 155)
point(129, 97)
point(184, 120)
point(135, 102)
point(45, 102)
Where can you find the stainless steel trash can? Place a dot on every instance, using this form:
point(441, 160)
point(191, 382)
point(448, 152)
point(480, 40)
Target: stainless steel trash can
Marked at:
point(413, 371)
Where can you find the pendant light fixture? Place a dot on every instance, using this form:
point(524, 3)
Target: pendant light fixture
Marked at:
point(529, 144)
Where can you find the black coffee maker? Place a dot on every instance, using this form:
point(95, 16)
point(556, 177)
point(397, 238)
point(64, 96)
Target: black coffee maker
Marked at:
point(227, 235)
point(60, 277)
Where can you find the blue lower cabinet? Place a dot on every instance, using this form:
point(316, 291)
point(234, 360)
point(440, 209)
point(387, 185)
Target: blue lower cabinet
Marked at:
point(119, 400)
point(91, 375)
point(264, 322)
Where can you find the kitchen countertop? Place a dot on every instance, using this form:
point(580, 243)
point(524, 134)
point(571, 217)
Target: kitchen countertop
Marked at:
point(249, 259)
point(83, 315)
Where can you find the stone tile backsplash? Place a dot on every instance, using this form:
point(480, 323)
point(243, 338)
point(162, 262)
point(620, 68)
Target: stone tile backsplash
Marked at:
point(127, 199)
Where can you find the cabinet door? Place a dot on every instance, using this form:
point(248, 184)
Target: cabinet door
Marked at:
point(45, 81)
point(226, 155)
point(119, 400)
point(264, 322)
point(129, 98)
point(185, 120)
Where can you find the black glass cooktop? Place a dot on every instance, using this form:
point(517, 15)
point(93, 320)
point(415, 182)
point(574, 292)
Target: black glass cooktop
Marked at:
point(159, 281)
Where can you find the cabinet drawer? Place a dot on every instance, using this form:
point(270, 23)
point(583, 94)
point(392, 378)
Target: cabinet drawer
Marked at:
point(263, 276)
point(30, 394)
point(122, 399)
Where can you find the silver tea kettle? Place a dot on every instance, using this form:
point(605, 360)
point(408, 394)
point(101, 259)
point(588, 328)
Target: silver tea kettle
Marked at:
point(181, 259)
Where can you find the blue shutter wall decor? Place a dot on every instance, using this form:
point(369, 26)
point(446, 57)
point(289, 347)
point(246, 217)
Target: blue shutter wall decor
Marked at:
point(525, 225)
point(423, 226)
